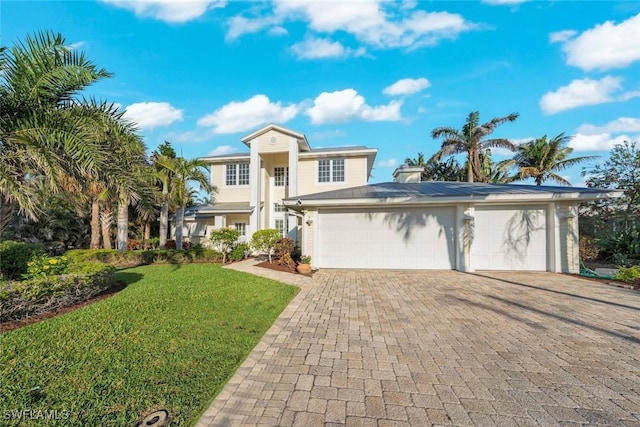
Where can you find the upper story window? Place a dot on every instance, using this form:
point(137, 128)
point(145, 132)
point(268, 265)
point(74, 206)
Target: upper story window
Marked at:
point(277, 207)
point(237, 174)
point(280, 176)
point(331, 170)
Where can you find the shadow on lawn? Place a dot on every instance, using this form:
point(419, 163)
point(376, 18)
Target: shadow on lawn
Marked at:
point(128, 277)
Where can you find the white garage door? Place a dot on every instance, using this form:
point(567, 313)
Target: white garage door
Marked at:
point(391, 238)
point(507, 238)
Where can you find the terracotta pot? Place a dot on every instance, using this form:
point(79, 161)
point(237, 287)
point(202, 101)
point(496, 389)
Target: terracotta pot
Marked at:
point(304, 268)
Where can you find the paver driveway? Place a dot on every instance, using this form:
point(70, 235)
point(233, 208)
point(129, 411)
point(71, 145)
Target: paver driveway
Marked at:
point(382, 348)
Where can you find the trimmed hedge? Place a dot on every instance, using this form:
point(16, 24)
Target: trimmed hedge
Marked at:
point(14, 257)
point(134, 258)
point(37, 295)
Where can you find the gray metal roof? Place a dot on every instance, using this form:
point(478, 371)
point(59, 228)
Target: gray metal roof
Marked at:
point(440, 189)
point(218, 208)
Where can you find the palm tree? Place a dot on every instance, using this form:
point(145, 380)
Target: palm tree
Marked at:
point(41, 133)
point(541, 159)
point(164, 175)
point(470, 141)
point(184, 171)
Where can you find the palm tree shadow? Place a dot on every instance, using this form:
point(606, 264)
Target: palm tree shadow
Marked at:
point(519, 231)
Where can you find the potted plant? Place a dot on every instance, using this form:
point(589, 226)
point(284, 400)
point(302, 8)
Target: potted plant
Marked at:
point(304, 266)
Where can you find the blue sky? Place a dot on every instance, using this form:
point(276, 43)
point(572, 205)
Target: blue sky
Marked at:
point(203, 74)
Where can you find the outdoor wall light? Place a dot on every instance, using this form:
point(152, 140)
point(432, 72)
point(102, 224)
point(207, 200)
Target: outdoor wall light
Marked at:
point(309, 221)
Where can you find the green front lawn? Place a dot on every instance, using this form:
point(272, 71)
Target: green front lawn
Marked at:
point(171, 340)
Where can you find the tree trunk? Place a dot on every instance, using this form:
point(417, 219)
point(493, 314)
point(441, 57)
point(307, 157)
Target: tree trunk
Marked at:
point(6, 213)
point(470, 169)
point(106, 220)
point(164, 224)
point(179, 223)
point(123, 225)
point(147, 231)
point(95, 224)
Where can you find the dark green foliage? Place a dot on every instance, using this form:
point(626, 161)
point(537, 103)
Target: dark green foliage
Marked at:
point(157, 256)
point(14, 257)
point(171, 339)
point(623, 242)
point(45, 293)
point(239, 252)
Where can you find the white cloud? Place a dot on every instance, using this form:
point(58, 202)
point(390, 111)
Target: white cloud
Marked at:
point(387, 163)
point(407, 86)
point(240, 25)
point(221, 150)
point(149, 115)
point(314, 48)
point(346, 105)
point(605, 46)
point(579, 93)
point(596, 142)
point(561, 36)
point(168, 10)
point(621, 124)
point(241, 116)
point(376, 23)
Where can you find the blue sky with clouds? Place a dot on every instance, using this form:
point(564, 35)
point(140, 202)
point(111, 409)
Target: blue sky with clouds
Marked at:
point(202, 74)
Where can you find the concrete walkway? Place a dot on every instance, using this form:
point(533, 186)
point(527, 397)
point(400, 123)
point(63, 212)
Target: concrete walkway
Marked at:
point(399, 348)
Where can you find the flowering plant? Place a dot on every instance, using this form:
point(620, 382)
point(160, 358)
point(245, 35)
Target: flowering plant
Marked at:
point(45, 266)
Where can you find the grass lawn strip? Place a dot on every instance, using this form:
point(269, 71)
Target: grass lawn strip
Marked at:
point(171, 340)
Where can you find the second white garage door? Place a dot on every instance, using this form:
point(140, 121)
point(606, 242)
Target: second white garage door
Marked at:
point(508, 238)
point(392, 238)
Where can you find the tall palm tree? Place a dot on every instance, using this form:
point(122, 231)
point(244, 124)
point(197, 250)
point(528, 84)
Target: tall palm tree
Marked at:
point(185, 171)
point(164, 175)
point(541, 159)
point(470, 141)
point(41, 134)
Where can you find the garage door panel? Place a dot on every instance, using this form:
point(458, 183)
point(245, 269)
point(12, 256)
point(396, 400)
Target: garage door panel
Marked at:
point(510, 239)
point(393, 238)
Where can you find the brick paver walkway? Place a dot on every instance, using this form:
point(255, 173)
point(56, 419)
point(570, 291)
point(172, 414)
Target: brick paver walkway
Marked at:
point(398, 348)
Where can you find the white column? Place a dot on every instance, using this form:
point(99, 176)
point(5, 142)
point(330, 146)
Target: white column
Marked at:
point(574, 231)
point(254, 186)
point(293, 167)
point(554, 255)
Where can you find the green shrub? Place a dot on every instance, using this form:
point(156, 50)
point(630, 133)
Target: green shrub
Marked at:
point(624, 242)
point(14, 257)
point(45, 293)
point(224, 239)
point(46, 266)
point(134, 258)
point(239, 252)
point(266, 240)
point(628, 274)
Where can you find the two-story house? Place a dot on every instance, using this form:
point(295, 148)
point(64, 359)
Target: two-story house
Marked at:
point(321, 199)
point(280, 164)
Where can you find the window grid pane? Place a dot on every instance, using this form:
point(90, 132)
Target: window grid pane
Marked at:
point(243, 174)
point(241, 227)
point(277, 207)
point(280, 226)
point(324, 170)
point(278, 177)
point(338, 170)
point(231, 175)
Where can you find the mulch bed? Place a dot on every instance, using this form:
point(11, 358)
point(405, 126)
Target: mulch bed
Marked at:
point(15, 324)
point(280, 267)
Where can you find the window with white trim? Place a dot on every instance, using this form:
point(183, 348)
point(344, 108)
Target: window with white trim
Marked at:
point(241, 227)
point(237, 174)
point(280, 176)
point(282, 226)
point(277, 207)
point(331, 170)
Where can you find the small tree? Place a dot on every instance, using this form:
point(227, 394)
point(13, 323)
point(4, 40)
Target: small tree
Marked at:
point(224, 239)
point(266, 240)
